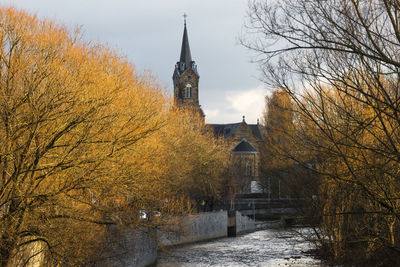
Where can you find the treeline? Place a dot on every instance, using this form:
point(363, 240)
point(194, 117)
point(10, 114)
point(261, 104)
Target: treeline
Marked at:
point(338, 64)
point(87, 142)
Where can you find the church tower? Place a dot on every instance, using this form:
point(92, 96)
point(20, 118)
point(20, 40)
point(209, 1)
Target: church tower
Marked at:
point(186, 78)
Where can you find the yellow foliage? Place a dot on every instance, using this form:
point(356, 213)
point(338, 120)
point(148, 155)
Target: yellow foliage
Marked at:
point(87, 142)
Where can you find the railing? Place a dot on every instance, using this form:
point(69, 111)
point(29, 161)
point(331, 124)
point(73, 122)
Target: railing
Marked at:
point(265, 203)
point(267, 208)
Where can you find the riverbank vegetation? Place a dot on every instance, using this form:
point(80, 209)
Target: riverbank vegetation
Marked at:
point(87, 142)
point(339, 63)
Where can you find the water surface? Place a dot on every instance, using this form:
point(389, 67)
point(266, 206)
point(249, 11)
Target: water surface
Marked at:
point(261, 248)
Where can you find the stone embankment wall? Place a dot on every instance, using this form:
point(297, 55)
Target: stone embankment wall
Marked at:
point(32, 254)
point(130, 248)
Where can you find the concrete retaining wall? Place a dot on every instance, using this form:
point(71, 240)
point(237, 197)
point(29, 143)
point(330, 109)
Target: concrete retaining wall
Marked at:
point(126, 247)
point(141, 250)
point(197, 228)
point(207, 226)
point(244, 224)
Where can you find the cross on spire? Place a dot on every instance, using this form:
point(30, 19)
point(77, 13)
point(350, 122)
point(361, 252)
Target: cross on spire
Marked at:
point(186, 57)
point(184, 17)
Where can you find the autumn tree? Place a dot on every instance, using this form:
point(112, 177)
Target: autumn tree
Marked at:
point(87, 144)
point(338, 60)
point(278, 124)
point(75, 120)
point(191, 160)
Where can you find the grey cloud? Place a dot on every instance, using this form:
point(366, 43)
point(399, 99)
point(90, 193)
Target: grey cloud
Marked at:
point(149, 33)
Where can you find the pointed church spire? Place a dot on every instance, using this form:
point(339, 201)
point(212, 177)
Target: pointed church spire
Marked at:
point(186, 57)
point(186, 78)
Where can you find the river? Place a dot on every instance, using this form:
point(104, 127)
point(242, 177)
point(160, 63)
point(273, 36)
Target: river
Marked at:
point(262, 248)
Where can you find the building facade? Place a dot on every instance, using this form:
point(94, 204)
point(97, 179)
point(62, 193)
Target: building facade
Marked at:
point(246, 141)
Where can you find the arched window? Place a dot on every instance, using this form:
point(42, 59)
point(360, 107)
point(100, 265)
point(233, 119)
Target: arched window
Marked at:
point(188, 91)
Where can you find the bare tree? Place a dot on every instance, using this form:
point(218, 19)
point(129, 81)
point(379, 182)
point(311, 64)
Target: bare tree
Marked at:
point(339, 62)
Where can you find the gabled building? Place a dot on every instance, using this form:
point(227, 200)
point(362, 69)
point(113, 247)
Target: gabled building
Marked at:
point(241, 130)
point(245, 139)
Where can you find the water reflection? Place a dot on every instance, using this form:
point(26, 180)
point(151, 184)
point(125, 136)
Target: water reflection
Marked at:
point(262, 248)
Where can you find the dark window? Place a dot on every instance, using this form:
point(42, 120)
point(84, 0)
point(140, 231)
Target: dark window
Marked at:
point(249, 169)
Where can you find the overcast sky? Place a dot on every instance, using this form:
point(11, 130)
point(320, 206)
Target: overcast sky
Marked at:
point(149, 33)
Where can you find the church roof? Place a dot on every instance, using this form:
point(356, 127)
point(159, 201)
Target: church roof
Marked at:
point(244, 147)
point(186, 56)
point(229, 130)
point(225, 130)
